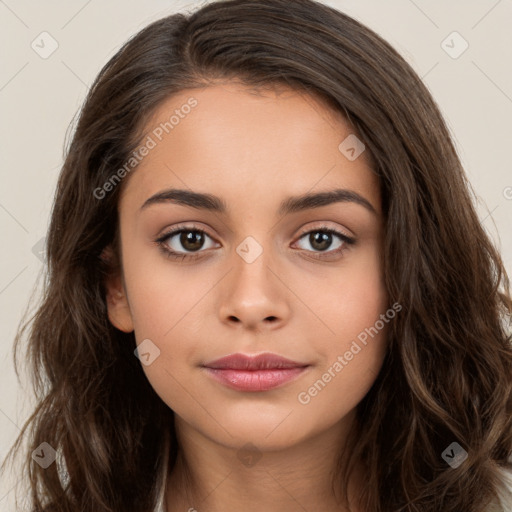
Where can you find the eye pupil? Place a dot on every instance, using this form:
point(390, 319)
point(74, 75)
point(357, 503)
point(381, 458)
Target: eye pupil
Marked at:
point(320, 238)
point(191, 240)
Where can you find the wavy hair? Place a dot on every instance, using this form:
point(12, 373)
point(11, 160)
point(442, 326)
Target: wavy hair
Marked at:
point(447, 374)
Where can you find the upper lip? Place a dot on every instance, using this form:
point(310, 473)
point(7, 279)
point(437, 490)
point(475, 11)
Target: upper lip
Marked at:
point(255, 362)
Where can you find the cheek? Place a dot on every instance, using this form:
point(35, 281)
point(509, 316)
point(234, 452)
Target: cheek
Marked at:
point(162, 302)
point(354, 310)
point(162, 293)
point(337, 388)
point(343, 302)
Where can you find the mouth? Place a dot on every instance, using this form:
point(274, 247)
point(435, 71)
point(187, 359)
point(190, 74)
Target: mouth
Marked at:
point(254, 373)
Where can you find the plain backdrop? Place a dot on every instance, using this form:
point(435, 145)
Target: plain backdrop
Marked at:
point(469, 73)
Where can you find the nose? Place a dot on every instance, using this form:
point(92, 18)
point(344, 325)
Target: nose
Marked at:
point(254, 297)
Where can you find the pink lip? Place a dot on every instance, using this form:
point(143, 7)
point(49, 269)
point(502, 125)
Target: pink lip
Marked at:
point(254, 373)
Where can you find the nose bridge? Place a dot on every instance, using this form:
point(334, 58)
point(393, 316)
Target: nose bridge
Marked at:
point(254, 295)
point(252, 264)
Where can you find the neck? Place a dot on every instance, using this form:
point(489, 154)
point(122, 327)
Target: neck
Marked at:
point(212, 477)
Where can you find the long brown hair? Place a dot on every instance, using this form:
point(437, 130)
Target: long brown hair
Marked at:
point(447, 376)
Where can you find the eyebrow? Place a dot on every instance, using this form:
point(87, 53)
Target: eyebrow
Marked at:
point(209, 202)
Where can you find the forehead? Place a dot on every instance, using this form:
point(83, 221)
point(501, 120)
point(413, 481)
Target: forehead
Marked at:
point(238, 141)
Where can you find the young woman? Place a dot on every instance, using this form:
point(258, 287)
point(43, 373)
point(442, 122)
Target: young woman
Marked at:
point(268, 287)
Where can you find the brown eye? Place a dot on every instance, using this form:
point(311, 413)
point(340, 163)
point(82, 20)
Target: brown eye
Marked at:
point(322, 240)
point(191, 240)
point(183, 242)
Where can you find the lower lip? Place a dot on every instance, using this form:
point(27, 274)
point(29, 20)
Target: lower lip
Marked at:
point(255, 380)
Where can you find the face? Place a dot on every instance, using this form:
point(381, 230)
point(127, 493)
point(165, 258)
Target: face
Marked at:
point(249, 270)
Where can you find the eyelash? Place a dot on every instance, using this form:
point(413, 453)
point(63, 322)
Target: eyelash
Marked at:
point(171, 254)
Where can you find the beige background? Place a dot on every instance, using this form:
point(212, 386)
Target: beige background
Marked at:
point(39, 97)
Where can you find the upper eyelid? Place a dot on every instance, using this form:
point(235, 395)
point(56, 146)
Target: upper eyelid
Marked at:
point(324, 227)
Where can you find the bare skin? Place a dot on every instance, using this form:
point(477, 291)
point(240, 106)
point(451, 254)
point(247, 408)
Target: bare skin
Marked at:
point(300, 300)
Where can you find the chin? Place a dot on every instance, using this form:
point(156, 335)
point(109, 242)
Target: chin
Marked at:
point(267, 434)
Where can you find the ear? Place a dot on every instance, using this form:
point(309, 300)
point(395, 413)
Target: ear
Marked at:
point(118, 308)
